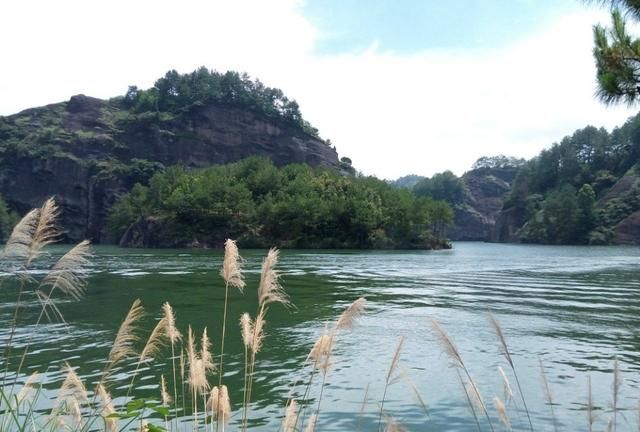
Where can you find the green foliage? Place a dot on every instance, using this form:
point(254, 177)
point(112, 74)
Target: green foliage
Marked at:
point(617, 54)
point(590, 162)
point(500, 161)
point(444, 186)
point(8, 219)
point(294, 206)
point(176, 93)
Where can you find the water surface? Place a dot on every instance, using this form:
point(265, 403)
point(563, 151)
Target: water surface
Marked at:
point(574, 308)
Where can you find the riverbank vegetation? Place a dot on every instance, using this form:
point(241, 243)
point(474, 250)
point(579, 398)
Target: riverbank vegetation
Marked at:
point(295, 206)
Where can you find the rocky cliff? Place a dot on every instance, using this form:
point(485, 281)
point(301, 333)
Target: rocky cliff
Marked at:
point(485, 189)
point(88, 151)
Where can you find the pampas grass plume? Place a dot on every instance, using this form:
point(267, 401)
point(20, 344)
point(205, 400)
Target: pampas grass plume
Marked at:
point(231, 270)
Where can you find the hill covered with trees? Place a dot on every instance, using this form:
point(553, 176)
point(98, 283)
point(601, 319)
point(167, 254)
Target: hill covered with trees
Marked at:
point(87, 151)
point(584, 189)
point(261, 205)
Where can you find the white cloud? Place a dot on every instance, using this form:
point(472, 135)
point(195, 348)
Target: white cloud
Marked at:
point(392, 114)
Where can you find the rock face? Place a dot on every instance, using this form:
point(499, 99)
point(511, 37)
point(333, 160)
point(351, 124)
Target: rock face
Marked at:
point(485, 189)
point(88, 151)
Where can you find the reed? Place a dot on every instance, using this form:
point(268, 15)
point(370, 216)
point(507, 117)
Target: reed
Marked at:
point(456, 361)
point(392, 368)
point(548, 394)
point(232, 274)
point(504, 350)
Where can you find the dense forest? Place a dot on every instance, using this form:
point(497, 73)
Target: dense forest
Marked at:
point(176, 93)
point(294, 206)
point(565, 195)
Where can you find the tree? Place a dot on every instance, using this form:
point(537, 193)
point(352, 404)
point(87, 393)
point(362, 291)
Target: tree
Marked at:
point(444, 186)
point(617, 55)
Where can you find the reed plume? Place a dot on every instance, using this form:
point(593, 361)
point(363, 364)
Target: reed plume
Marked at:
point(504, 349)
point(246, 330)
point(392, 367)
point(19, 242)
point(291, 417)
point(506, 385)
point(174, 336)
point(416, 394)
point(231, 270)
point(110, 423)
point(590, 407)
point(348, 318)
point(46, 230)
point(68, 274)
point(123, 345)
point(155, 342)
point(502, 412)
point(615, 391)
point(548, 395)
point(311, 423)
point(164, 395)
point(224, 406)
point(205, 353)
point(171, 330)
point(456, 361)
point(71, 395)
point(270, 290)
point(232, 275)
point(26, 392)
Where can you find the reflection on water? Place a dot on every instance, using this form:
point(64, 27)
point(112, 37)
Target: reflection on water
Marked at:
point(576, 308)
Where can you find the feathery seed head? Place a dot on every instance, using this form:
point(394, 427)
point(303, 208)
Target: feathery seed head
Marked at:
point(46, 231)
point(502, 412)
point(447, 344)
point(205, 352)
point(111, 423)
point(508, 393)
point(172, 332)
point(164, 394)
point(27, 389)
point(231, 271)
point(246, 328)
point(290, 417)
point(351, 314)
point(214, 400)
point(224, 405)
point(311, 424)
point(270, 290)
point(122, 347)
point(155, 341)
point(258, 332)
point(19, 241)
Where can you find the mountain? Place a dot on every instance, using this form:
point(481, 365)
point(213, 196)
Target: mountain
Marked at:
point(87, 152)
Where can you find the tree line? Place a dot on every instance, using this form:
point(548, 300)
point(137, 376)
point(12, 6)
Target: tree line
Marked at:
point(294, 206)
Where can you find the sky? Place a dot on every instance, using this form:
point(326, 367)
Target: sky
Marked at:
point(399, 86)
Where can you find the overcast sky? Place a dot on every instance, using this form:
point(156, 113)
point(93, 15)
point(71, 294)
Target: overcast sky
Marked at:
point(400, 86)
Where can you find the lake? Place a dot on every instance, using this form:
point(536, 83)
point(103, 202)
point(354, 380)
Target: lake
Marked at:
point(573, 308)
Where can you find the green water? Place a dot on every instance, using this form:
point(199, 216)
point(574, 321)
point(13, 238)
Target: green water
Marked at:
point(576, 308)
